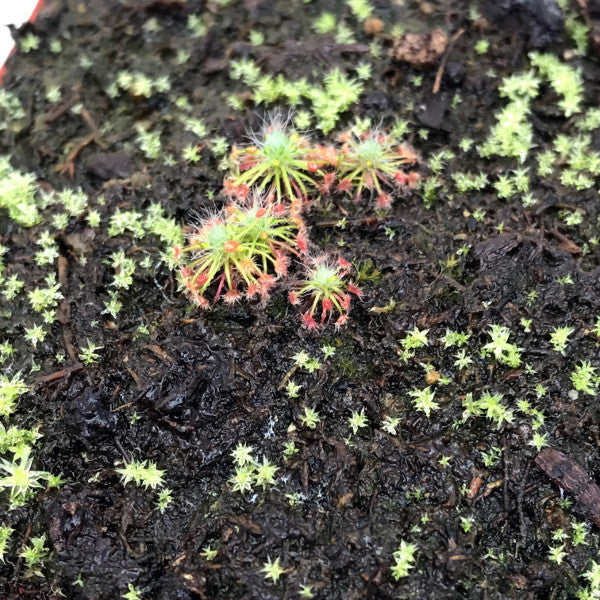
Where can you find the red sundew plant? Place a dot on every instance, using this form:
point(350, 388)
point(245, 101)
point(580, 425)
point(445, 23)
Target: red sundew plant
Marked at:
point(246, 249)
point(328, 290)
point(372, 161)
point(280, 162)
point(242, 247)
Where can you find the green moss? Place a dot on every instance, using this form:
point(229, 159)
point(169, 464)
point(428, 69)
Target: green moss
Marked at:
point(566, 81)
point(17, 194)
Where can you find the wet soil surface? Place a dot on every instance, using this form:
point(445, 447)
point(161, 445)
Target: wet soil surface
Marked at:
point(189, 386)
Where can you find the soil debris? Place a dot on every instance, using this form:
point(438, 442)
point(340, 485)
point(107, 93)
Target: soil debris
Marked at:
point(420, 49)
point(571, 478)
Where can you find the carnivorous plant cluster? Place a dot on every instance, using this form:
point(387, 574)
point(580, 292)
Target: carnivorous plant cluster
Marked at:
point(247, 248)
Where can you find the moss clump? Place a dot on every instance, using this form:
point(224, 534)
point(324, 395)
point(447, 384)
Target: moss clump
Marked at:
point(17, 194)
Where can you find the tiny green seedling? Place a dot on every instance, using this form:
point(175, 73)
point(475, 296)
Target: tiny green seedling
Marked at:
point(273, 570)
point(5, 534)
point(463, 360)
point(305, 361)
point(325, 23)
point(42, 298)
point(133, 593)
point(358, 420)
point(305, 592)
point(19, 477)
point(265, 473)
point(585, 379)
point(557, 554)
point(243, 479)
point(466, 524)
point(209, 553)
point(560, 337)
point(292, 389)
point(452, 338)
point(390, 424)
point(423, 400)
point(242, 455)
point(327, 350)
point(34, 555)
point(489, 405)
point(88, 354)
point(289, 450)
point(404, 559)
point(310, 418)
point(502, 350)
point(417, 338)
point(10, 390)
point(538, 440)
point(444, 461)
point(165, 498)
point(579, 533)
point(142, 473)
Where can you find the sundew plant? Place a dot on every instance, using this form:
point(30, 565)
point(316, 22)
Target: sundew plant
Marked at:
point(247, 249)
point(316, 269)
point(280, 161)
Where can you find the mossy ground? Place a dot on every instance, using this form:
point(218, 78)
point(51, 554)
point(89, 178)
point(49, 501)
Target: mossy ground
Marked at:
point(183, 388)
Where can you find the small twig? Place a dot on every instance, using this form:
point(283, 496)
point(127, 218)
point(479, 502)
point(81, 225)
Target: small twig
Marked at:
point(69, 166)
point(122, 406)
point(124, 542)
point(565, 243)
point(68, 344)
point(452, 282)
point(286, 378)
point(136, 399)
point(87, 117)
point(63, 269)
point(57, 112)
point(440, 72)
point(64, 312)
point(126, 455)
point(159, 353)
point(134, 376)
point(59, 374)
point(520, 494)
point(570, 477)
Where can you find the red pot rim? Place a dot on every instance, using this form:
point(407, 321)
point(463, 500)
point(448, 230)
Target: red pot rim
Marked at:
point(34, 14)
